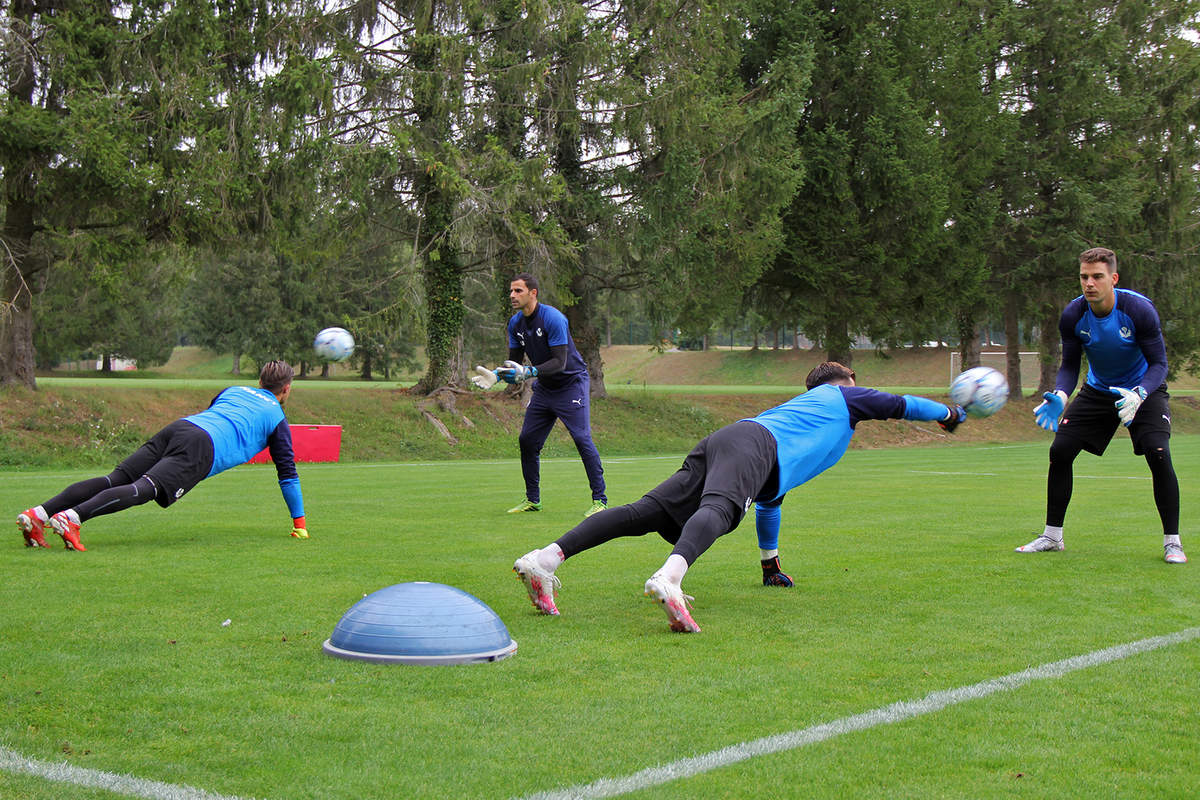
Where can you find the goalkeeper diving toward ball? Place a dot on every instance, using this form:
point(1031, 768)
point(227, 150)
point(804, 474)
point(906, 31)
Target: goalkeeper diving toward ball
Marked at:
point(756, 460)
point(240, 421)
point(1125, 385)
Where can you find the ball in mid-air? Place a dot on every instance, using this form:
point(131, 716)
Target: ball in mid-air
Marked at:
point(334, 344)
point(981, 391)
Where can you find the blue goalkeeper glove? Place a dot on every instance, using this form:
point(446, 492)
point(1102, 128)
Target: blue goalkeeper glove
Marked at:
point(1130, 402)
point(958, 415)
point(773, 575)
point(1050, 411)
point(512, 372)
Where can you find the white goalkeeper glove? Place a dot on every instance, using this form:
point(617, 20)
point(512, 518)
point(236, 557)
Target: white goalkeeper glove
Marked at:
point(1051, 409)
point(512, 372)
point(1130, 402)
point(484, 378)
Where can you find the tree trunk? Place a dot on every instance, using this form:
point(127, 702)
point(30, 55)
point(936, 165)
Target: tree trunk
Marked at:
point(16, 325)
point(1051, 347)
point(366, 366)
point(17, 262)
point(237, 364)
point(968, 342)
point(441, 270)
point(1012, 344)
point(838, 344)
point(586, 335)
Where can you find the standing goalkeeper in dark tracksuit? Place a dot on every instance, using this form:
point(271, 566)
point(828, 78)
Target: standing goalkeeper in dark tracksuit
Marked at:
point(540, 333)
point(1121, 334)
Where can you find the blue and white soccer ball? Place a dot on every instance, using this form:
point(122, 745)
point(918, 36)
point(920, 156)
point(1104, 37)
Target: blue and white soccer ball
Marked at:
point(334, 344)
point(981, 391)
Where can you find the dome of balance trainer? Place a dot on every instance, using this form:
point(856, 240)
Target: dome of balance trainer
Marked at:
point(420, 623)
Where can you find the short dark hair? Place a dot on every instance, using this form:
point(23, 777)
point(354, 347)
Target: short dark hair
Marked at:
point(1096, 255)
point(827, 372)
point(530, 281)
point(275, 376)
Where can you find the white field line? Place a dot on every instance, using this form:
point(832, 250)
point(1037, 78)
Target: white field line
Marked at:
point(61, 772)
point(896, 712)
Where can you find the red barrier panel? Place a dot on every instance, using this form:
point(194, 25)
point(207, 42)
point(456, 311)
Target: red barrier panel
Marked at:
point(310, 443)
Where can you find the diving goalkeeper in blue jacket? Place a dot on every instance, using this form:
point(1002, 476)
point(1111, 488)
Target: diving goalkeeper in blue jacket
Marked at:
point(751, 461)
point(239, 422)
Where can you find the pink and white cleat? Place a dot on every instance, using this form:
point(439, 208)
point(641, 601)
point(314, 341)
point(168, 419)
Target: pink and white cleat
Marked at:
point(540, 583)
point(32, 528)
point(673, 601)
point(1173, 554)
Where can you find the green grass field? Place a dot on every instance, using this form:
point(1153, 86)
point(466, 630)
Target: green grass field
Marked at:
point(116, 660)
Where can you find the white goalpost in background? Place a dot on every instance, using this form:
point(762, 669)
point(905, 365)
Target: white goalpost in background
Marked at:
point(997, 359)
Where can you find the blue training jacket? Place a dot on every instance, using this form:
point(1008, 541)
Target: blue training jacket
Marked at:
point(241, 421)
point(1125, 348)
point(534, 335)
point(812, 432)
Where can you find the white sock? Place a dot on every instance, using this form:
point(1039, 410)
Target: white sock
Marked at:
point(41, 514)
point(550, 556)
point(72, 515)
point(1171, 540)
point(1052, 532)
point(674, 569)
point(766, 554)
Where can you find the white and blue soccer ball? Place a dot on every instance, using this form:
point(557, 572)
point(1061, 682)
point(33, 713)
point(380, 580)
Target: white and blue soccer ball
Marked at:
point(981, 391)
point(334, 344)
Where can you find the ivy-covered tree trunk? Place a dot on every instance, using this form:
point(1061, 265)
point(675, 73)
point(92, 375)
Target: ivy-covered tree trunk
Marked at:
point(443, 300)
point(441, 271)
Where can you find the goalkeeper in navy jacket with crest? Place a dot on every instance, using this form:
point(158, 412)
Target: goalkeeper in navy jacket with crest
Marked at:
point(1126, 384)
point(752, 461)
point(540, 333)
point(239, 422)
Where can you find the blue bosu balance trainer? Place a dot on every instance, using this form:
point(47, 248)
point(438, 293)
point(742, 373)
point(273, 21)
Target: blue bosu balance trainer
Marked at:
point(420, 623)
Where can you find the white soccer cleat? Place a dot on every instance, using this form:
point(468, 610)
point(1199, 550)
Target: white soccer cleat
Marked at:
point(1041, 544)
point(540, 583)
point(674, 602)
point(1173, 554)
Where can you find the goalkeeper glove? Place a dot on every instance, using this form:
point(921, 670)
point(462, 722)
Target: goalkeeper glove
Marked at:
point(484, 378)
point(1050, 410)
point(956, 417)
point(298, 529)
point(1130, 402)
point(773, 576)
point(512, 372)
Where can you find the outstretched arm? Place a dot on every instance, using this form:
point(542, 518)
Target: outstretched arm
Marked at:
point(766, 522)
point(279, 443)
